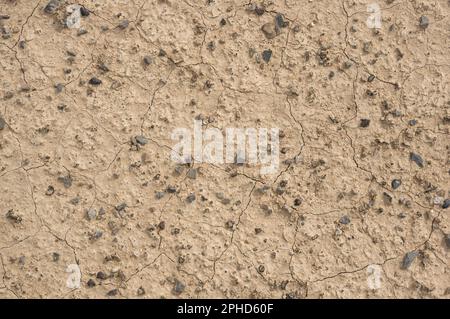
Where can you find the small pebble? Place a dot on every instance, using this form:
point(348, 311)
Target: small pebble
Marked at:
point(2, 123)
point(84, 12)
point(446, 203)
point(95, 81)
point(147, 60)
point(141, 140)
point(269, 30)
point(178, 287)
point(124, 24)
point(66, 180)
point(113, 292)
point(447, 240)
point(266, 55)
point(344, 220)
point(416, 158)
point(396, 183)
point(91, 214)
point(51, 6)
point(424, 22)
point(91, 283)
point(364, 123)
point(371, 78)
point(408, 259)
point(190, 198)
point(55, 257)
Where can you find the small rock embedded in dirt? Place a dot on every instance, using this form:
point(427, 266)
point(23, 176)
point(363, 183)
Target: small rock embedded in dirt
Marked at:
point(66, 180)
point(178, 287)
point(159, 195)
point(371, 78)
point(91, 283)
point(141, 291)
point(2, 123)
point(192, 173)
point(96, 235)
point(141, 140)
point(95, 81)
point(266, 55)
point(91, 214)
point(344, 220)
point(424, 22)
point(364, 123)
point(51, 6)
point(280, 22)
point(387, 199)
point(14, 217)
point(55, 257)
point(229, 225)
point(50, 190)
point(396, 183)
point(101, 275)
point(269, 30)
point(59, 87)
point(124, 24)
point(298, 201)
point(412, 122)
point(447, 240)
point(84, 12)
point(416, 158)
point(261, 269)
point(171, 189)
point(121, 207)
point(190, 198)
point(147, 60)
point(73, 20)
point(408, 259)
point(446, 203)
point(113, 292)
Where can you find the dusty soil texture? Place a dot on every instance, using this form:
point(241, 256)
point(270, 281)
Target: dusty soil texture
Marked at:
point(359, 204)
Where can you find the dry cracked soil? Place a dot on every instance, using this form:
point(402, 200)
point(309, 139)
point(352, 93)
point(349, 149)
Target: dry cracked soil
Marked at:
point(93, 206)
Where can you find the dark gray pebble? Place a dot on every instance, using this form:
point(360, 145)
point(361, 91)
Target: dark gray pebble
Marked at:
point(171, 189)
point(178, 287)
point(147, 60)
point(84, 12)
point(2, 123)
point(91, 283)
point(408, 259)
point(396, 183)
point(141, 140)
point(344, 220)
point(364, 123)
point(95, 81)
point(190, 198)
point(66, 180)
point(416, 158)
point(266, 55)
point(124, 24)
point(51, 6)
point(446, 203)
point(424, 22)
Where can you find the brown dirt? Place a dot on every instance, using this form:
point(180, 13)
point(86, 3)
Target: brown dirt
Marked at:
point(64, 153)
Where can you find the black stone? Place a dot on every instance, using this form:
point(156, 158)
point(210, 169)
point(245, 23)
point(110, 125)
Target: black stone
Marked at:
point(364, 123)
point(396, 183)
point(95, 81)
point(266, 55)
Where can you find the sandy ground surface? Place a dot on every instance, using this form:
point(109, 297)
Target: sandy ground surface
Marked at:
point(357, 107)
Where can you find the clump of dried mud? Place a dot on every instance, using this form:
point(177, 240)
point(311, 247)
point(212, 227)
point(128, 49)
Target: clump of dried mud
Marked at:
point(86, 178)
